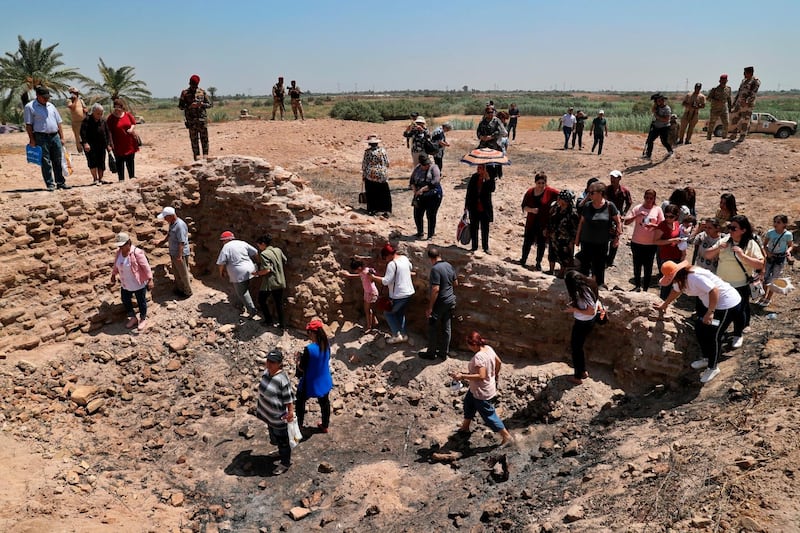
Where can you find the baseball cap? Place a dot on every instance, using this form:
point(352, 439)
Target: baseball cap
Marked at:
point(276, 356)
point(122, 239)
point(615, 174)
point(226, 236)
point(167, 211)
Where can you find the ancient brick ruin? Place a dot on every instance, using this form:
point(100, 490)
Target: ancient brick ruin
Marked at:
point(56, 254)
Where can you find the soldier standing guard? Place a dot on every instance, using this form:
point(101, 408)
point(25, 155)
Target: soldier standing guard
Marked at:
point(194, 102)
point(720, 97)
point(692, 104)
point(297, 105)
point(743, 103)
point(278, 94)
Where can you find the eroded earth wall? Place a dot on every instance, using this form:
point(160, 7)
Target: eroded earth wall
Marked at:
point(56, 256)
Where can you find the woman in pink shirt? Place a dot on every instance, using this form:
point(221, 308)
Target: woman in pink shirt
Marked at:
point(135, 276)
point(370, 291)
point(645, 218)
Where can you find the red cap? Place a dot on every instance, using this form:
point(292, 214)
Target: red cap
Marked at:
point(314, 325)
point(723, 76)
point(387, 250)
point(194, 79)
point(226, 236)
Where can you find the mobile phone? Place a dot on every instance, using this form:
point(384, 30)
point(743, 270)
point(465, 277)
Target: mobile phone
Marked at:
point(715, 322)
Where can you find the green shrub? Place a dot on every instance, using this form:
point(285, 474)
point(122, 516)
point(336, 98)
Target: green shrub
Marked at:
point(459, 124)
point(219, 116)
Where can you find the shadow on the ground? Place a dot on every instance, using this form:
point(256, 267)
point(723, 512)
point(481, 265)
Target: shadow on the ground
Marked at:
point(245, 464)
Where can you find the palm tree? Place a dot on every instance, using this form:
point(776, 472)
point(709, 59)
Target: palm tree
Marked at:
point(213, 92)
point(33, 65)
point(118, 83)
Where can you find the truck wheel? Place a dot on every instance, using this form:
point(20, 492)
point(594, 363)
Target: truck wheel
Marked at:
point(783, 133)
point(718, 131)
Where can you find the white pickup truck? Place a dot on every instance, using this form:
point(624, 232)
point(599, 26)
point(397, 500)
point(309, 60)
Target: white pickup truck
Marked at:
point(762, 123)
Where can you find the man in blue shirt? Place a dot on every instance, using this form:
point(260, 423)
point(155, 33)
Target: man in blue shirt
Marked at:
point(43, 124)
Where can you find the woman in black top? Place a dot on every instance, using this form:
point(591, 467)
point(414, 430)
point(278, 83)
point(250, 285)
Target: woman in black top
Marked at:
point(96, 141)
point(478, 203)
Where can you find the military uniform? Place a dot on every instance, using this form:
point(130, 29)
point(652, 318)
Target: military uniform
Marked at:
point(195, 117)
point(743, 105)
point(720, 98)
point(297, 104)
point(692, 104)
point(278, 95)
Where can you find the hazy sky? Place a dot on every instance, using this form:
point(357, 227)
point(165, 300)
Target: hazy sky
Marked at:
point(340, 45)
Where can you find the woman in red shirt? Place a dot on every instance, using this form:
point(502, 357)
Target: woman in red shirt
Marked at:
point(667, 236)
point(122, 126)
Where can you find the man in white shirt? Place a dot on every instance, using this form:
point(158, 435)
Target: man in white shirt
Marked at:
point(235, 261)
point(566, 123)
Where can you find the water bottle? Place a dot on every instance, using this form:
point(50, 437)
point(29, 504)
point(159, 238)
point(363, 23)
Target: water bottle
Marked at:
point(772, 316)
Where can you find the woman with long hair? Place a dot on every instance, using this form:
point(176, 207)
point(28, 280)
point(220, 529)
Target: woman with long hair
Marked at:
point(313, 367)
point(727, 208)
point(739, 257)
point(667, 237)
point(482, 374)
point(720, 306)
point(583, 304)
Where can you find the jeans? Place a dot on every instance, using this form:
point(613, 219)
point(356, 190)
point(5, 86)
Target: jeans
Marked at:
point(396, 318)
point(567, 134)
point(512, 129)
point(279, 436)
point(125, 161)
point(428, 206)
point(439, 161)
point(580, 330)
point(440, 328)
point(485, 408)
point(598, 143)
point(141, 301)
point(661, 133)
point(593, 258)
point(324, 406)
point(242, 289)
point(51, 158)
point(643, 255)
point(277, 299)
point(479, 220)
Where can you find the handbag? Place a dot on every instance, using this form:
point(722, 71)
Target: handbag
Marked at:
point(384, 303)
point(138, 139)
point(755, 282)
point(362, 197)
point(415, 201)
point(112, 163)
point(462, 231)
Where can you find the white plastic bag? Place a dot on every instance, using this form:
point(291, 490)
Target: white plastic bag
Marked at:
point(294, 433)
point(782, 285)
point(66, 164)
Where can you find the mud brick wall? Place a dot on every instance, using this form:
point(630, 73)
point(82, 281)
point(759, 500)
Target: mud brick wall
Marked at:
point(56, 255)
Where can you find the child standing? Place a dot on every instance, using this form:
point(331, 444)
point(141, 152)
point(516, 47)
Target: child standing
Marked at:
point(778, 244)
point(370, 291)
point(686, 233)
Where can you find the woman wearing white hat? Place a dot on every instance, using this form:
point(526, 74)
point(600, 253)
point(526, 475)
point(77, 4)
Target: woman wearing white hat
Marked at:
point(135, 276)
point(375, 173)
point(721, 305)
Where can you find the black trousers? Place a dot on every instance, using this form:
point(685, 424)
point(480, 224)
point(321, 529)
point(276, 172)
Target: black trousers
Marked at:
point(324, 405)
point(661, 133)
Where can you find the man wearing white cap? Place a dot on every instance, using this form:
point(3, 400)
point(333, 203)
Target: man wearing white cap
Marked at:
point(178, 239)
point(235, 260)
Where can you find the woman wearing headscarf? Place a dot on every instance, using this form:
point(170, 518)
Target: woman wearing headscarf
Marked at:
point(536, 206)
point(375, 173)
point(739, 257)
point(95, 139)
point(313, 367)
point(721, 305)
point(478, 203)
point(561, 230)
point(135, 276)
point(425, 182)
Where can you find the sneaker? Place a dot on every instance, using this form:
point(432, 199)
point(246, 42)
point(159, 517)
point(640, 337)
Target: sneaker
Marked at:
point(142, 325)
point(280, 469)
point(700, 364)
point(403, 338)
point(65, 187)
point(51, 188)
point(670, 153)
point(647, 157)
point(395, 339)
point(709, 374)
point(426, 354)
point(132, 323)
point(688, 142)
point(736, 342)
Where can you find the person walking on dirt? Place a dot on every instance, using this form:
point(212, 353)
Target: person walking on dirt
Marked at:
point(276, 407)
point(660, 126)
point(599, 131)
point(513, 116)
point(565, 124)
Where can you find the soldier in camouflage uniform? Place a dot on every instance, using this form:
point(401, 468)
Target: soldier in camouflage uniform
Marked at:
point(278, 94)
point(720, 98)
point(194, 102)
point(692, 104)
point(744, 101)
point(297, 105)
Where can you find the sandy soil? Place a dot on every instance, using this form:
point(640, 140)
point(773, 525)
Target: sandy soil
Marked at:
point(718, 458)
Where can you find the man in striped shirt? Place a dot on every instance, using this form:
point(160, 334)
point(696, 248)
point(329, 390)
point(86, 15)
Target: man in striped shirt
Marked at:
point(276, 407)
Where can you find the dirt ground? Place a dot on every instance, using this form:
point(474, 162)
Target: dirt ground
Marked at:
point(173, 448)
